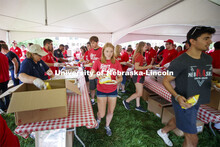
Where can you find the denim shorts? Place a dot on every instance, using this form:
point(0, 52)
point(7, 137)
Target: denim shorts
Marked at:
point(185, 118)
point(111, 94)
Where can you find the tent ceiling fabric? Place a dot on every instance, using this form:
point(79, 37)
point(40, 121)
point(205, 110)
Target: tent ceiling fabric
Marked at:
point(112, 20)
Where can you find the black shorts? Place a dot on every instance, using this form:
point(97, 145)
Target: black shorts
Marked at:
point(185, 118)
point(92, 84)
point(138, 79)
point(86, 76)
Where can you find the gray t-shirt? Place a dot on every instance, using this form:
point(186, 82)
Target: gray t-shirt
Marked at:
point(193, 76)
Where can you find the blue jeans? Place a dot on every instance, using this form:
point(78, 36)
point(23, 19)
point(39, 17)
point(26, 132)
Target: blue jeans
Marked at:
point(15, 81)
point(3, 88)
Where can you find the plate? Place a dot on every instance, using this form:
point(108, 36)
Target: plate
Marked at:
point(218, 89)
point(123, 63)
point(111, 83)
point(87, 65)
point(71, 67)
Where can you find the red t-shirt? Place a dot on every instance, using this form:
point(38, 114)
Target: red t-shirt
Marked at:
point(168, 56)
point(49, 58)
point(86, 58)
point(94, 55)
point(65, 54)
point(124, 58)
point(107, 67)
point(138, 58)
point(23, 55)
point(4, 68)
point(7, 138)
point(150, 55)
point(77, 55)
point(215, 60)
point(181, 52)
point(17, 51)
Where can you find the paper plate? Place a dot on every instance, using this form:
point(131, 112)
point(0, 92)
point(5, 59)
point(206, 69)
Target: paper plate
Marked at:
point(87, 65)
point(111, 83)
point(216, 87)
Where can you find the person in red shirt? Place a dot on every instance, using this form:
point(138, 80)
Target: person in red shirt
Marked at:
point(215, 59)
point(66, 47)
point(4, 78)
point(77, 55)
point(185, 48)
point(94, 54)
point(150, 55)
point(138, 79)
point(169, 54)
point(16, 49)
point(49, 59)
point(118, 50)
point(24, 51)
point(106, 93)
point(7, 138)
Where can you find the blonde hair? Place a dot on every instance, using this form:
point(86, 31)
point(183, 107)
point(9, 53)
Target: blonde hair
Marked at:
point(29, 55)
point(117, 50)
point(103, 58)
point(139, 49)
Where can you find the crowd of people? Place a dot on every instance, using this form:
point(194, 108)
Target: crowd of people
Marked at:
point(35, 64)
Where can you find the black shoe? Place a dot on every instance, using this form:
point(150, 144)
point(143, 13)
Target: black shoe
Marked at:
point(126, 105)
point(140, 109)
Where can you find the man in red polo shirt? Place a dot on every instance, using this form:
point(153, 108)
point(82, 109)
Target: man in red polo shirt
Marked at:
point(150, 55)
point(215, 59)
point(169, 54)
point(16, 49)
point(49, 59)
point(94, 54)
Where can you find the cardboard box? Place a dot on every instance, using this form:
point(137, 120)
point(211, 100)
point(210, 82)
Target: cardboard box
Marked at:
point(147, 93)
point(168, 113)
point(156, 104)
point(214, 99)
point(33, 105)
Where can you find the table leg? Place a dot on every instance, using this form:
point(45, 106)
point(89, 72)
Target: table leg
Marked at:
point(76, 136)
point(210, 126)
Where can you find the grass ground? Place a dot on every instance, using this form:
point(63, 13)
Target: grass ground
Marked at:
point(129, 128)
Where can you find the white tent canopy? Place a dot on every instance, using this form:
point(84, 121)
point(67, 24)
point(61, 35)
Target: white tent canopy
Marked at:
point(115, 21)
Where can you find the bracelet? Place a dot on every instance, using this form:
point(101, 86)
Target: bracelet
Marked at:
point(177, 97)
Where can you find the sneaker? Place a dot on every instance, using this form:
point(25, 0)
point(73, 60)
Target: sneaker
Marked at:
point(123, 91)
point(140, 109)
point(93, 102)
point(126, 105)
point(98, 122)
point(118, 96)
point(108, 131)
point(2, 112)
point(165, 138)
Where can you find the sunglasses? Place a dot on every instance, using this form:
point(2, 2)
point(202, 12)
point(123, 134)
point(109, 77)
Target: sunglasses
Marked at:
point(196, 28)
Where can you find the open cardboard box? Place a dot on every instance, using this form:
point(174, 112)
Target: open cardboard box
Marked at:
point(214, 99)
point(33, 105)
point(168, 113)
point(156, 104)
point(147, 93)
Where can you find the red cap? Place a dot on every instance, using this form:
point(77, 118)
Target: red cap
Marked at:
point(169, 40)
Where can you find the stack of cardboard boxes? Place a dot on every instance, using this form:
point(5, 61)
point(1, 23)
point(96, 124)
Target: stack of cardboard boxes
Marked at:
point(33, 105)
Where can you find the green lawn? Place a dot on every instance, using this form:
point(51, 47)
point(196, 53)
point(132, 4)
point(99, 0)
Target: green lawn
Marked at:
point(129, 128)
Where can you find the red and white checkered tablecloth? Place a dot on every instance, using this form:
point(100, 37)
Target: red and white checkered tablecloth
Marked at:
point(80, 113)
point(205, 113)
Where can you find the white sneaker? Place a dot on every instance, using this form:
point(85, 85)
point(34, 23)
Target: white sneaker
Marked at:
point(165, 138)
point(118, 96)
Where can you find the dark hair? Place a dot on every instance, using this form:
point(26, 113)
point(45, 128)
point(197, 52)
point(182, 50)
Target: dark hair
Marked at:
point(161, 49)
point(88, 43)
point(217, 45)
point(47, 41)
point(2, 42)
point(0, 47)
point(61, 45)
point(197, 31)
point(4, 46)
point(30, 44)
point(83, 48)
point(148, 44)
point(23, 45)
point(67, 47)
point(94, 38)
point(129, 49)
point(129, 46)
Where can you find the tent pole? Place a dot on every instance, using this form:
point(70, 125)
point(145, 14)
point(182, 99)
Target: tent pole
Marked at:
point(8, 37)
point(45, 2)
